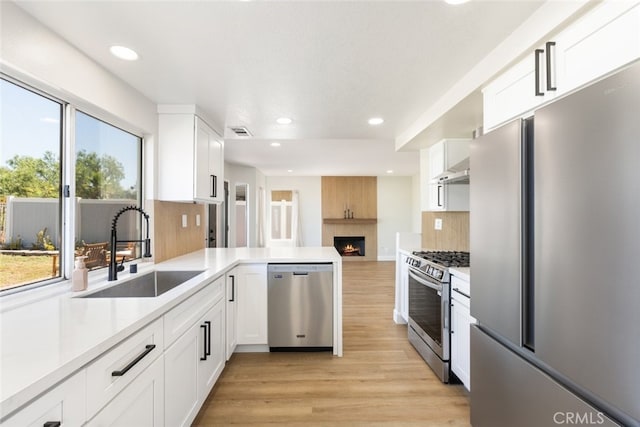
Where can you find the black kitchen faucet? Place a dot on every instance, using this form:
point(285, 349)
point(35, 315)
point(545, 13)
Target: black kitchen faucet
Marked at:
point(113, 263)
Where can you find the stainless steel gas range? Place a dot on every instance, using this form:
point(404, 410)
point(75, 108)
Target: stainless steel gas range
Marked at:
point(429, 306)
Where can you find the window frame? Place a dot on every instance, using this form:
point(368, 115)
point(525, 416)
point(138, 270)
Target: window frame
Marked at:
point(67, 191)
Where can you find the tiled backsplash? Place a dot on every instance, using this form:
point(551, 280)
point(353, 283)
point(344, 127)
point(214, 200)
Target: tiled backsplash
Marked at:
point(454, 235)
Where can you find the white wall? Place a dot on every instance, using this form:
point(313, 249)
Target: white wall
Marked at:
point(32, 53)
point(309, 190)
point(395, 212)
point(416, 196)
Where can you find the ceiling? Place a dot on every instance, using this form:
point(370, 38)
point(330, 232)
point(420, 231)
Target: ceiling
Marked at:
point(328, 65)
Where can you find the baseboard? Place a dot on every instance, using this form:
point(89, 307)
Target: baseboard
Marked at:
point(387, 258)
point(252, 348)
point(397, 318)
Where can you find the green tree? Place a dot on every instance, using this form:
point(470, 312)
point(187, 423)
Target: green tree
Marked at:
point(25, 176)
point(97, 177)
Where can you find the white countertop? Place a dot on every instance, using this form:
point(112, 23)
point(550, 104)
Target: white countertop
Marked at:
point(47, 334)
point(463, 273)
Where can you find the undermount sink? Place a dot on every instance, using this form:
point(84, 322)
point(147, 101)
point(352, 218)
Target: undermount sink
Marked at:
point(146, 286)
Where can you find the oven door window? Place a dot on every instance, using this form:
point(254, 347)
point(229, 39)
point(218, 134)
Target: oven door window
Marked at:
point(425, 308)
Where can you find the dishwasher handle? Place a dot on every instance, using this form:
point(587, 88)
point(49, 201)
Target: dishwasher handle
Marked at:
point(300, 273)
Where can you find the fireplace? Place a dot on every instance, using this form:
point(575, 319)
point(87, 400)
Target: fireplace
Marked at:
point(349, 245)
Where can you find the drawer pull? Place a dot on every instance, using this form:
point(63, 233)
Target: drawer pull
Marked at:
point(461, 293)
point(52, 424)
point(148, 349)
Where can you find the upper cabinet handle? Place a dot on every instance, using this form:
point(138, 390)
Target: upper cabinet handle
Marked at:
point(52, 424)
point(537, 54)
point(550, 75)
point(215, 185)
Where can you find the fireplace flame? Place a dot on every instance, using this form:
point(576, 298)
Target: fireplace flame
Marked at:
point(349, 248)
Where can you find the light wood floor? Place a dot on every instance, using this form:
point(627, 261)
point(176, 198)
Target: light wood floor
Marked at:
point(380, 381)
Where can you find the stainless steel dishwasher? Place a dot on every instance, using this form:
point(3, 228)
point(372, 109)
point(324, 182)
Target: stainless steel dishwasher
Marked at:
point(300, 307)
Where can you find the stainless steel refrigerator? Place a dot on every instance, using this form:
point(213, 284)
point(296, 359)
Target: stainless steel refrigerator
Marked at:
point(555, 239)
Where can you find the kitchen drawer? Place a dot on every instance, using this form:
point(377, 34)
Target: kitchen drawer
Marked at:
point(102, 385)
point(63, 403)
point(180, 318)
point(461, 285)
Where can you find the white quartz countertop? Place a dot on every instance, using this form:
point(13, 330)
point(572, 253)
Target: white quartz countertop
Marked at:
point(47, 334)
point(463, 273)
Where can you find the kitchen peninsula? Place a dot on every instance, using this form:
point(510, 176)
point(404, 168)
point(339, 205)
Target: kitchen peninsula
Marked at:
point(51, 336)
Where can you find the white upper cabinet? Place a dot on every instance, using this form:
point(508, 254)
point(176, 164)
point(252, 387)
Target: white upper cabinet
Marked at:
point(600, 42)
point(190, 157)
point(441, 157)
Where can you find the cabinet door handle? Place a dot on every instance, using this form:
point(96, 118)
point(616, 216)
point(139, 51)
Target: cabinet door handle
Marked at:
point(148, 349)
point(52, 424)
point(208, 350)
point(537, 55)
point(204, 346)
point(233, 288)
point(548, 47)
point(214, 185)
point(440, 198)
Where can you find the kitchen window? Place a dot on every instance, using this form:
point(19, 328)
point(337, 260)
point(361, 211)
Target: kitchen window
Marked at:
point(107, 179)
point(42, 168)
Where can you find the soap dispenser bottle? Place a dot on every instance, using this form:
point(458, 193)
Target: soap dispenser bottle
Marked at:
point(79, 275)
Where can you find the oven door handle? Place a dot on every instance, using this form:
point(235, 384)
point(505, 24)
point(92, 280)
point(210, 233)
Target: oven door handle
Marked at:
point(425, 282)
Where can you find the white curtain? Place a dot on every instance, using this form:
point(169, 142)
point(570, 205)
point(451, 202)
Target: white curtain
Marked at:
point(296, 231)
point(262, 212)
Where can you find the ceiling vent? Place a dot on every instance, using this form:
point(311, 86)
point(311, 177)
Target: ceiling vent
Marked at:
point(240, 131)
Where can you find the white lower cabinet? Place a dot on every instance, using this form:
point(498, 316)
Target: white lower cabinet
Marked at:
point(141, 403)
point(195, 360)
point(161, 374)
point(112, 372)
point(231, 313)
point(461, 322)
point(213, 357)
point(251, 284)
point(63, 405)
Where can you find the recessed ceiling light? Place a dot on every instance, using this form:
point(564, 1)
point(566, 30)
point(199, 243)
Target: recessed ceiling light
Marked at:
point(284, 121)
point(454, 2)
point(390, 171)
point(275, 144)
point(376, 121)
point(289, 170)
point(123, 52)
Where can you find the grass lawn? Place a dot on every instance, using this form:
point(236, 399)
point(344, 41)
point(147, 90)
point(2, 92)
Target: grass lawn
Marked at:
point(16, 270)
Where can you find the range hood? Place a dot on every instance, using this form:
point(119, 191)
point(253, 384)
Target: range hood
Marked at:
point(456, 174)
